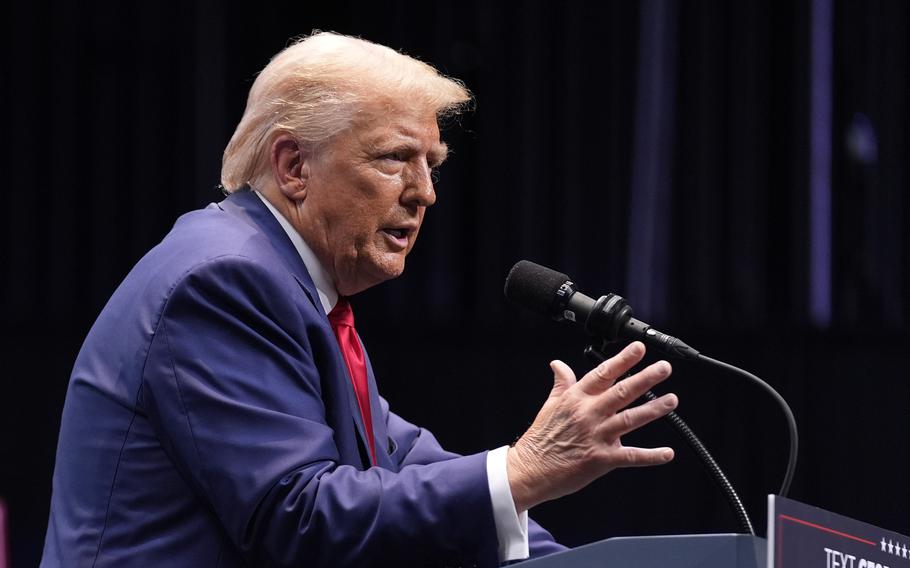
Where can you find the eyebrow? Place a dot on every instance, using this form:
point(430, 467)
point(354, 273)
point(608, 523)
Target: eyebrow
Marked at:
point(436, 155)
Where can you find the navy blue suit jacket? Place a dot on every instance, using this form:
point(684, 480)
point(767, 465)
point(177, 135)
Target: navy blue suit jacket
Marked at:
point(210, 421)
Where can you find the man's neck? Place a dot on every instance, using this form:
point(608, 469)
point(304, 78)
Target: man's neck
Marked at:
point(328, 294)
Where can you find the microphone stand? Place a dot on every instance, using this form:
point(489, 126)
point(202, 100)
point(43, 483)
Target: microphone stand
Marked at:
point(596, 355)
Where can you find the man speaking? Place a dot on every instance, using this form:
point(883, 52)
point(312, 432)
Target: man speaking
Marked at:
point(223, 411)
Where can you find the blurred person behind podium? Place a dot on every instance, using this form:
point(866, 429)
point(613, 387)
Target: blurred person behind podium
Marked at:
point(222, 410)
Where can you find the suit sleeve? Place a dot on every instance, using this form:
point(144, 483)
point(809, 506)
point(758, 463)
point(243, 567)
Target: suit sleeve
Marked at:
point(231, 387)
point(415, 445)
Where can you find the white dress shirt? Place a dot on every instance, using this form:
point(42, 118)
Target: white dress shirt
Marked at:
point(511, 528)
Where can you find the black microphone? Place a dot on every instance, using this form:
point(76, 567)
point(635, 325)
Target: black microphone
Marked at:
point(553, 294)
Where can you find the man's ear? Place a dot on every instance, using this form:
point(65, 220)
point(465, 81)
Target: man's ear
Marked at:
point(290, 167)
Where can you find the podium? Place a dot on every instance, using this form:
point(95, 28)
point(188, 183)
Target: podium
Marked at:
point(676, 551)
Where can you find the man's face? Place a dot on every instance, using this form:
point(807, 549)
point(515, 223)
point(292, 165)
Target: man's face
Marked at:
point(366, 194)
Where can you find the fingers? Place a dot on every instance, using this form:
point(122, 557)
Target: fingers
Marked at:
point(602, 377)
point(563, 377)
point(634, 418)
point(627, 391)
point(642, 457)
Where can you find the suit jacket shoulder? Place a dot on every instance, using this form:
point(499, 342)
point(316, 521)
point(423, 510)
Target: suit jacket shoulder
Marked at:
point(209, 420)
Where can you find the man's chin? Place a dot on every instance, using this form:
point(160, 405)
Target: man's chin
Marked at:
point(390, 270)
point(378, 272)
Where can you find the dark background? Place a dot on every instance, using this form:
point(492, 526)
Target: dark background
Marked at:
point(737, 170)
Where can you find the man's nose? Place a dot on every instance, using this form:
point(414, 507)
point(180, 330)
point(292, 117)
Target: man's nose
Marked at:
point(419, 189)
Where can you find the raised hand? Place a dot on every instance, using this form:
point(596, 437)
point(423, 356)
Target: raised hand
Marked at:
point(576, 436)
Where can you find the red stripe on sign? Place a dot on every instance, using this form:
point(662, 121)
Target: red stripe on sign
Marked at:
point(826, 529)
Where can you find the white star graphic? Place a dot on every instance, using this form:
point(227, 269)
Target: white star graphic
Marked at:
point(884, 544)
point(890, 547)
point(904, 551)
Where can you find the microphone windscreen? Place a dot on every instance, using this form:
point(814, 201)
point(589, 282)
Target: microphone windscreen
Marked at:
point(533, 286)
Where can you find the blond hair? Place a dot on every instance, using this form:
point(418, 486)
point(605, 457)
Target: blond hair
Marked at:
point(313, 89)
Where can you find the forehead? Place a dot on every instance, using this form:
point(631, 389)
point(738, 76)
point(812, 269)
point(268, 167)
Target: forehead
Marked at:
point(388, 124)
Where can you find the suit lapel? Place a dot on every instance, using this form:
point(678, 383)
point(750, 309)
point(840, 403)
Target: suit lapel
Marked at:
point(380, 432)
point(355, 408)
point(248, 206)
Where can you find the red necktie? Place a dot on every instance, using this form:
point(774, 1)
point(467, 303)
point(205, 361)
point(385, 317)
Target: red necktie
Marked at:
point(342, 320)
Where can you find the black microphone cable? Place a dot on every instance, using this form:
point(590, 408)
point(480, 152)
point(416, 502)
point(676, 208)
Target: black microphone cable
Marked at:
point(792, 431)
point(674, 347)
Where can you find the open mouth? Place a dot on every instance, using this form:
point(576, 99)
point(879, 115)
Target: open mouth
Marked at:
point(398, 237)
point(398, 233)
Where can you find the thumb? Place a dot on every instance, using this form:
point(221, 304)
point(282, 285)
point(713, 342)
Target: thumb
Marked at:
point(563, 377)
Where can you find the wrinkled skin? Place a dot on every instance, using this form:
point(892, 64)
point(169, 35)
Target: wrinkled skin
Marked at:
point(576, 436)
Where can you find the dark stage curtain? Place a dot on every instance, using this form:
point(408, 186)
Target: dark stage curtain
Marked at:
point(659, 150)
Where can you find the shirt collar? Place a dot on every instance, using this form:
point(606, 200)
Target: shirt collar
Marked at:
point(328, 295)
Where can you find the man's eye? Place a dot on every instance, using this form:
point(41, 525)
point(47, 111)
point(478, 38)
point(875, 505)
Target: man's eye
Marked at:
point(395, 156)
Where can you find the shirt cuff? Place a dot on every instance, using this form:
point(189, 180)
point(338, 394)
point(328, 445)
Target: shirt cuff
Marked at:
point(511, 528)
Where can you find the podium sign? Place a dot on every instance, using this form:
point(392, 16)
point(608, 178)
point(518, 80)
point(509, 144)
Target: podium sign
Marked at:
point(802, 536)
point(799, 536)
